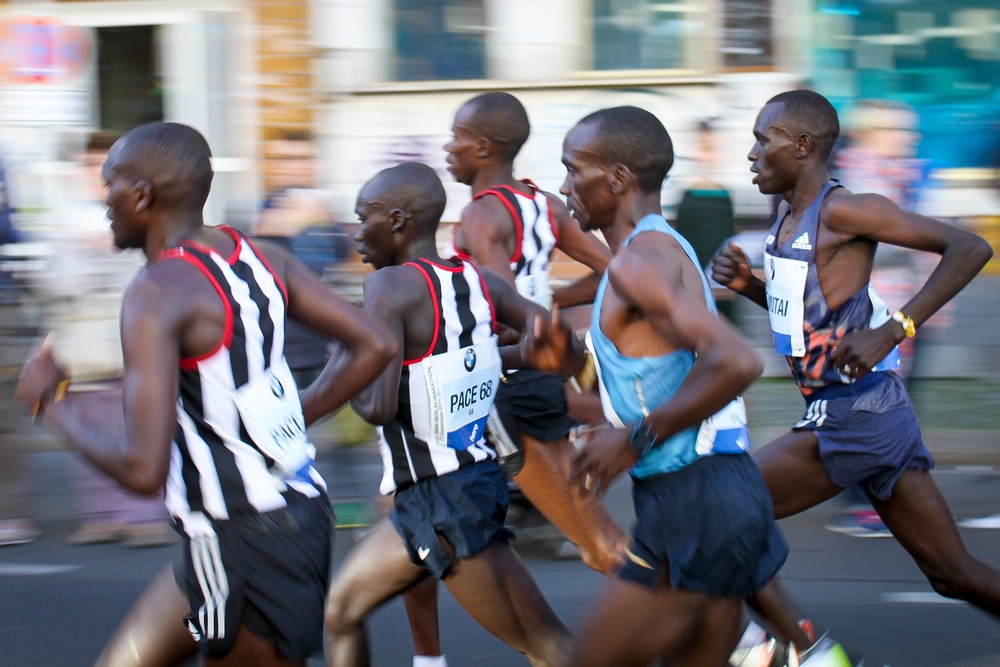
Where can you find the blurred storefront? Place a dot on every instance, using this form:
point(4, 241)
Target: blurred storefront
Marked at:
point(377, 81)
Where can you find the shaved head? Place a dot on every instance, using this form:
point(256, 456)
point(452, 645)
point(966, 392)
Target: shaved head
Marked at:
point(174, 159)
point(808, 112)
point(636, 138)
point(501, 118)
point(412, 187)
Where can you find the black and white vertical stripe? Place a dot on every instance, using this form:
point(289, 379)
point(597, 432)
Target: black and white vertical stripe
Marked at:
point(535, 222)
point(465, 317)
point(216, 470)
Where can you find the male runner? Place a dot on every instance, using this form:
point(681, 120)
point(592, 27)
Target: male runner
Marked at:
point(512, 228)
point(211, 412)
point(841, 341)
point(704, 537)
point(431, 405)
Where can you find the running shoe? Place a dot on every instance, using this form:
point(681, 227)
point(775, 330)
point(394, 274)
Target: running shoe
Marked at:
point(825, 653)
point(861, 523)
point(18, 531)
point(757, 648)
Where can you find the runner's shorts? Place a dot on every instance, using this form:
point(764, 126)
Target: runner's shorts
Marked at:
point(868, 433)
point(466, 508)
point(708, 527)
point(269, 572)
point(534, 403)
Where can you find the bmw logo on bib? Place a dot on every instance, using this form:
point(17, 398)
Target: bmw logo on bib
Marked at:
point(470, 359)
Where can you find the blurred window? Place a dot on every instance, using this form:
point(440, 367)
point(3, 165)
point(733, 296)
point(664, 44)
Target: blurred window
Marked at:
point(641, 34)
point(439, 39)
point(128, 77)
point(940, 56)
point(747, 35)
point(646, 34)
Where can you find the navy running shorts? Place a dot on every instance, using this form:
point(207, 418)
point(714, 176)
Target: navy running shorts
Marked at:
point(708, 527)
point(868, 435)
point(534, 403)
point(466, 508)
point(269, 572)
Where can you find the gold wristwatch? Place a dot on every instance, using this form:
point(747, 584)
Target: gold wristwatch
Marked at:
point(909, 328)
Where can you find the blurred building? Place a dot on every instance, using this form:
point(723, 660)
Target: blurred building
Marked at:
point(377, 81)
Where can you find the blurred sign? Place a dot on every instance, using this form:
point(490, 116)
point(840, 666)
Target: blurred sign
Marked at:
point(45, 71)
point(41, 50)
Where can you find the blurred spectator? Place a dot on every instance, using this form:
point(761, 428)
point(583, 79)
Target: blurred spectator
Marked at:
point(298, 216)
point(880, 156)
point(81, 290)
point(15, 527)
point(705, 214)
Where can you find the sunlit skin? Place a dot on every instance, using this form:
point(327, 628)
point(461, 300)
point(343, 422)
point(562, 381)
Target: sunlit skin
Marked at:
point(792, 162)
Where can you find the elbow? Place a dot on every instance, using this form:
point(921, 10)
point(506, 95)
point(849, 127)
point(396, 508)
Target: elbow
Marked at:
point(143, 478)
point(983, 251)
point(373, 413)
point(146, 485)
point(745, 370)
point(384, 347)
point(379, 417)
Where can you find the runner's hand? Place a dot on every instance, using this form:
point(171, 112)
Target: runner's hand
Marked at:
point(861, 350)
point(602, 454)
point(39, 378)
point(731, 268)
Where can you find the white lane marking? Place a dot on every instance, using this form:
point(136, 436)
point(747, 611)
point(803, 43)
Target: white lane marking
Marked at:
point(918, 597)
point(32, 569)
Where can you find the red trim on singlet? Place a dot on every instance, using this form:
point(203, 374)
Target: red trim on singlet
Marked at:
point(263, 260)
point(514, 216)
point(191, 363)
point(486, 294)
point(437, 313)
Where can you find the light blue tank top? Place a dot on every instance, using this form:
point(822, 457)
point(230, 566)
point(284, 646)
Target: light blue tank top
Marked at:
point(637, 385)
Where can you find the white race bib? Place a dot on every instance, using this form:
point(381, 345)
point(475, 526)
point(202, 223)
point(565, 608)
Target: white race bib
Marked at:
point(272, 414)
point(461, 386)
point(786, 285)
point(725, 432)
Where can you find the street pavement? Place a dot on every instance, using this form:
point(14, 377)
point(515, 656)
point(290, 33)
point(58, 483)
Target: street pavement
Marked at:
point(59, 603)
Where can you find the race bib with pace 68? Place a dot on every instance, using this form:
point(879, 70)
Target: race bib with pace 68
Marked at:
point(461, 386)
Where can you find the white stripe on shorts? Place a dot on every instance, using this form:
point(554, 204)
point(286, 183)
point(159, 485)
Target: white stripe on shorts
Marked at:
point(815, 414)
point(214, 584)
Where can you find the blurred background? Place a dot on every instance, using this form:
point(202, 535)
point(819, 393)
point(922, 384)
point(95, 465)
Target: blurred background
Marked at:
point(303, 100)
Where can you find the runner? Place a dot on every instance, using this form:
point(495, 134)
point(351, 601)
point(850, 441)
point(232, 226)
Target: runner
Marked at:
point(431, 405)
point(211, 412)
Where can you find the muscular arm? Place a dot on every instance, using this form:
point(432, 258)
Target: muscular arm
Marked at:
point(364, 344)
point(676, 313)
point(547, 343)
point(486, 234)
point(138, 457)
point(963, 254)
point(377, 403)
point(859, 221)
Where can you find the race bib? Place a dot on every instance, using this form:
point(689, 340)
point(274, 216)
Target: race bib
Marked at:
point(461, 386)
point(535, 288)
point(880, 315)
point(786, 285)
point(725, 432)
point(272, 415)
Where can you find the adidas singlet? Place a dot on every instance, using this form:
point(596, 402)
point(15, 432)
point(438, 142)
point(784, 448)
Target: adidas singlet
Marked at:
point(804, 327)
point(240, 440)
